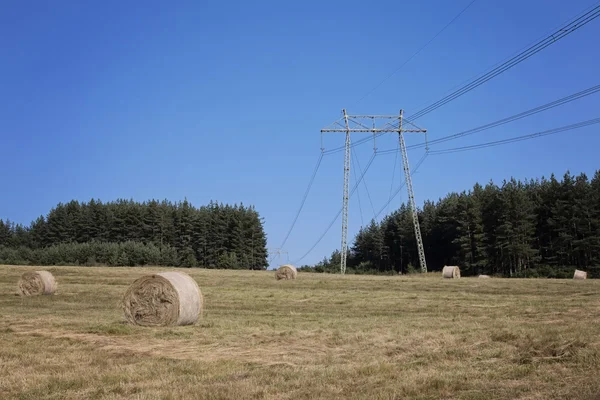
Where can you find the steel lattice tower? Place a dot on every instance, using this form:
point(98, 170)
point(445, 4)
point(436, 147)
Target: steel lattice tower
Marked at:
point(357, 124)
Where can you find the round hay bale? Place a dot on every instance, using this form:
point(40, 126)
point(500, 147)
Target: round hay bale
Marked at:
point(34, 283)
point(163, 299)
point(580, 274)
point(286, 272)
point(484, 276)
point(451, 272)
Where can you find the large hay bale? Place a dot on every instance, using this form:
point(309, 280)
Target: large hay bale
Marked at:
point(163, 299)
point(580, 274)
point(451, 272)
point(286, 272)
point(484, 276)
point(35, 283)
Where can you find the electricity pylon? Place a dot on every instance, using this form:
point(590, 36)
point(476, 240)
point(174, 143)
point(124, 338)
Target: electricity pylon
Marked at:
point(277, 252)
point(358, 124)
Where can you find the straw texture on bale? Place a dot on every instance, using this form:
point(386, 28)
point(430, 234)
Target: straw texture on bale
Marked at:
point(286, 272)
point(484, 276)
point(580, 274)
point(451, 272)
point(164, 299)
point(34, 283)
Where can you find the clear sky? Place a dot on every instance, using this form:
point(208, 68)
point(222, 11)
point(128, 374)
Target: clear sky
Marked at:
point(224, 101)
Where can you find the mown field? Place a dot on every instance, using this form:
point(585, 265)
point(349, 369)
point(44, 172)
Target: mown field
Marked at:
point(321, 336)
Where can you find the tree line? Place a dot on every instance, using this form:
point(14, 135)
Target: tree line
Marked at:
point(125, 232)
point(542, 227)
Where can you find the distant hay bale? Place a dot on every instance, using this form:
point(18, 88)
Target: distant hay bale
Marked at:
point(163, 299)
point(35, 283)
point(286, 272)
point(484, 276)
point(580, 274)
point(451, 272)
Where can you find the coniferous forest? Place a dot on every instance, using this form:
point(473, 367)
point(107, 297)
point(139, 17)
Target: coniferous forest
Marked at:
point(544, 228)
point(129, 233)
point(537, 228)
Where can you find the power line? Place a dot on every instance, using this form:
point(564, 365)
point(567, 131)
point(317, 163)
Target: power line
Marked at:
point(547, 106)
point(353, 189)
point(392, 197)
point(518, 138)
point(362, 221)
point(310, 183)
point(569, 27)
point(516, 52)
point(415, 53)
point(364, 183)
point(522, 56)
point(339, 212)
point(354, 144)
point(454, 150)
point(393, 175)
point(506, 120)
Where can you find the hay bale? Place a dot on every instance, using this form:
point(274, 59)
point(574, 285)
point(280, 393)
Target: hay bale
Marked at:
point(484, 276)
point(451, 272)
point(35, 283)
point(164, 299)
point(286, 272)
point(580, 274)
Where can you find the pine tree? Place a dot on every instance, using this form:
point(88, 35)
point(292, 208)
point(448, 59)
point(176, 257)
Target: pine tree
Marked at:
point(95, 221)
point(57, 222)
point(183, 225)
point(254, 233)
point(134, 224)
point(20, 236)
point(399, 241)
point(427, 224)
point(234, 235)
point(117, 220)
point(594, 201)
point(447, 230)
point(470, 234)
point(516, 229)
point(200, 237)
point(491, 211)
point(5, 233)
point(563, 221)
point(151, 222)
point(37, 232)
point(167, 227)
point(74, 224)
point(583, 243)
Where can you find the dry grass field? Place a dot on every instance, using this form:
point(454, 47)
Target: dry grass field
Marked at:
point(321, 336)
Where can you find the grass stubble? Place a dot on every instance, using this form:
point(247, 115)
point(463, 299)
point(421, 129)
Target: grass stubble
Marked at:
point(320, 336)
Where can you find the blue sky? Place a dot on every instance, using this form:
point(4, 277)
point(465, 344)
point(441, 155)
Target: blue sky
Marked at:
point(225, 100)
